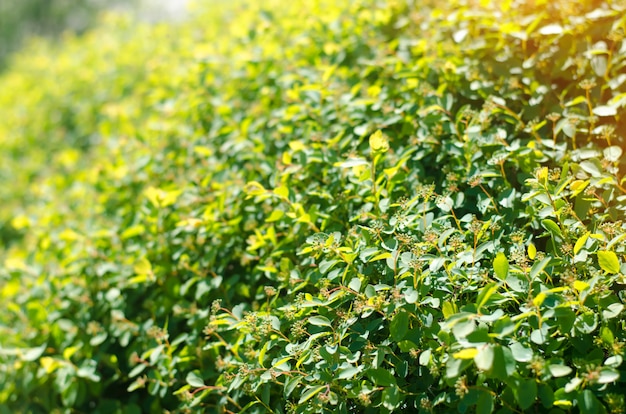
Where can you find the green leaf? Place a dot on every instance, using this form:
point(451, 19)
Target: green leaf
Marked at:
point(607, 335)
point(319, 321)
point(399, 326)
point(588, 403)
point(89, 370)
point(381, 377)
point(381, 256)
point(391, 397)
point(410, 295)
point(445, 203)
point(486, 292)
point(352, 162)
point(326, 265)
point(521, 353)
point(604, 110)
point(586, 323)
point(608, 375)
point(69, 394)
point(355, 284)
point(612, 311)
point(526, 393)
point(573, 384)
point(406, 345)
point(538, 267)
point(310, 393)
point(537, 335)
point(552, 227)
point(501, 266)
point(559, 370)
point(249, 405)
point(254, 188)
point(484, 358)
point(194, 379)
point(546, 395)
point(32, 354)
point(592, 166)
point(137, 370)
point(485, 403)
point(503, 363)
point(348, 372)
point(613, 153)
point(454, 367)
point(291, 383)
point(608, 261)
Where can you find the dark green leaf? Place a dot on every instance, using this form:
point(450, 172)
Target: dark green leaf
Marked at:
point(399, 326)
point(526, 393)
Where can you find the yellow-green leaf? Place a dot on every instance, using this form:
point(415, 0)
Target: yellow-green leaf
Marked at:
point(69, 235)
point(501, 266)
point(468, 353)
point(203, 151)
point(254, 188)
point(275, 216)
point(448, 309)
point(143, 267)
point(378, 142)
point(311, 393)
point(137, 279)
point(608, 261)
point(381, 256)
point(263, 352)
point(296, 146)
point(161, 198)
point(577, 186)
point(539, 299)
point(132, 231)
point(579, 285)
point(580, 243)
point(282, 191)
point(49, 364)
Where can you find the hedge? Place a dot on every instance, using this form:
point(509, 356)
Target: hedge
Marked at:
point(318, 206)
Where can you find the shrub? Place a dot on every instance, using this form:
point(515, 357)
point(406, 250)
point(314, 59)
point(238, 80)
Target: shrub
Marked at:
point(318, 207)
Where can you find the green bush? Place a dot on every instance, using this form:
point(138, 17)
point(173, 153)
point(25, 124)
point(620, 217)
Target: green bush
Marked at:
point(318, 206)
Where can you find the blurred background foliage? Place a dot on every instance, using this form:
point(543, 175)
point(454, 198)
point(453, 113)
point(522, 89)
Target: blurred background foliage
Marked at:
point(23, 19)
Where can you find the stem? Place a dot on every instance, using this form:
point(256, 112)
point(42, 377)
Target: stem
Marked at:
point(502, 172)
point(373, 178)
point(456, 220)
point(490, 198)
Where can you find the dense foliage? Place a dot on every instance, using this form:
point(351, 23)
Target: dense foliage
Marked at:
point(318, 206)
